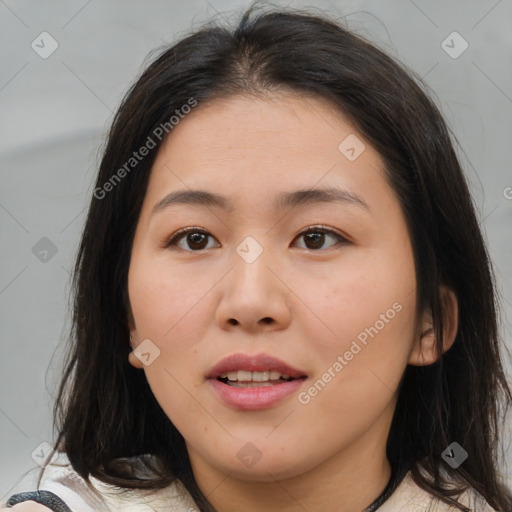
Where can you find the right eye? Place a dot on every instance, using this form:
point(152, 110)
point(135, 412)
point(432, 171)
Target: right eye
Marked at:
point(196, 239)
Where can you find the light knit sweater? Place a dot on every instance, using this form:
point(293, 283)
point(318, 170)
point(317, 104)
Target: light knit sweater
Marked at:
point(60, 479)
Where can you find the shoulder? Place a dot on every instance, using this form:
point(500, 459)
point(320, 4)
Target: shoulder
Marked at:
point(27, 506)
point(60, 489)
point(62, 483)
point(410, 497)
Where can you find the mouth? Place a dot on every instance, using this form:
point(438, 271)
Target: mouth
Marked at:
point(251, 379)
point(254, 382)
point(258, 368)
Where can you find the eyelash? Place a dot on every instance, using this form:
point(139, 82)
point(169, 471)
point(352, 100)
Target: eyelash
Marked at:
point(312, 229)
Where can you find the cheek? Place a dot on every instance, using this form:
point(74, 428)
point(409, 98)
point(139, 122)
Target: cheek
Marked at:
point(369, 354)
point(357, 375)
point(367, 317)
point(363, 304)
point(167, 304)
point(168, 310)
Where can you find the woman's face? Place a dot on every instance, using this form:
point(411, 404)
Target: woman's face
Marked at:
point(322, 281)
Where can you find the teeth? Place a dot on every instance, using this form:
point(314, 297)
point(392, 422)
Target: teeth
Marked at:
point(260, 376)
point(247, 376)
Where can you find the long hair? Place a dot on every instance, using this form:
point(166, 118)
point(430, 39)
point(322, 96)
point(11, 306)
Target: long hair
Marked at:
point(105, 410)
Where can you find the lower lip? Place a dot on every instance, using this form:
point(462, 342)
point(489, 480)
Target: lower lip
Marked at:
point(255, 398)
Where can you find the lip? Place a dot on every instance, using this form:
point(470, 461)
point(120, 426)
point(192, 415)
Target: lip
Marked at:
point(257, 397)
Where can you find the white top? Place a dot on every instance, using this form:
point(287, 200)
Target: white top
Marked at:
point(60, 478)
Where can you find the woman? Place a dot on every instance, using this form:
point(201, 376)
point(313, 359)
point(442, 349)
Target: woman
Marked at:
point(283, 300)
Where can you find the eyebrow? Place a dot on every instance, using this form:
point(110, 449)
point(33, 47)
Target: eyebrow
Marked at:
point(284, 200)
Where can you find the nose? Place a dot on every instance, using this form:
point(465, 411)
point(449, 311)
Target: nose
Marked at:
point(254, 295)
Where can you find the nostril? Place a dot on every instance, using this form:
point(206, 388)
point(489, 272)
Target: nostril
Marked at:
point(232, 321)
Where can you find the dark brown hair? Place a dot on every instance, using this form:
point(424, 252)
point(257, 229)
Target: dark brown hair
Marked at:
point(105, 409)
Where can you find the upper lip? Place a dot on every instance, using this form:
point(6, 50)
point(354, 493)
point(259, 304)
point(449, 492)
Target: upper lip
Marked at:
point(253, 363)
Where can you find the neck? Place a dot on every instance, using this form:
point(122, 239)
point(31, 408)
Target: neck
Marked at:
point(349, 481)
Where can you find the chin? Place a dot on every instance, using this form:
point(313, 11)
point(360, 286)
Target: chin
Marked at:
point(267, 468)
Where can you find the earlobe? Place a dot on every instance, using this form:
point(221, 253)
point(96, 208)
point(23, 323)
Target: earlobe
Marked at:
point(132, 358)
point(424, 352)
point(134, 361)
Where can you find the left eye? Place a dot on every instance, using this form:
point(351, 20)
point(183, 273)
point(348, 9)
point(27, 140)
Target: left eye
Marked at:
point(196, 239)
point(316, 237)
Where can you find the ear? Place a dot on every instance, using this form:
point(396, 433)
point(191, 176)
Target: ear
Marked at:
point(424, 349)
point(132, 358)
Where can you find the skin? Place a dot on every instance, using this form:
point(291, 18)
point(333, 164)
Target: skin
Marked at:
point(328, 454)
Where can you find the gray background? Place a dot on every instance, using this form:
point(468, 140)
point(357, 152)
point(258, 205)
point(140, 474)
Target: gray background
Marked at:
point(55, 111)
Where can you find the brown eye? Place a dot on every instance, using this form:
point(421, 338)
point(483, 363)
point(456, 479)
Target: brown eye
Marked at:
point(193, 238)
point(315, 238)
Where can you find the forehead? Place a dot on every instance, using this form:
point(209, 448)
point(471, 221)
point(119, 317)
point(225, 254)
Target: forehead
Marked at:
point(250, 147)
point(274, 123)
